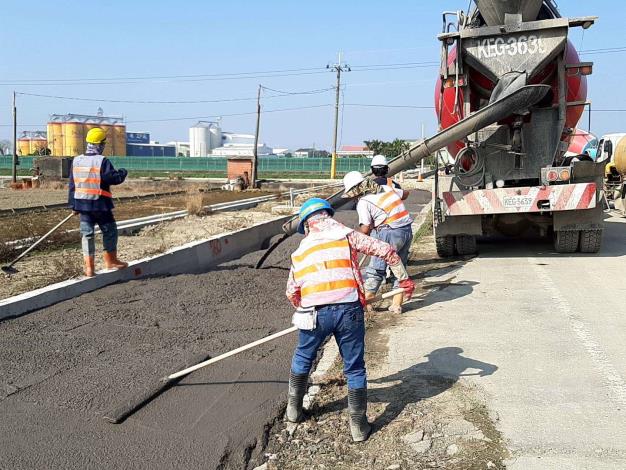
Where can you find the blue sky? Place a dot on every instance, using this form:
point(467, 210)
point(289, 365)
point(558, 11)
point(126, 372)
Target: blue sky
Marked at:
point(70, 40)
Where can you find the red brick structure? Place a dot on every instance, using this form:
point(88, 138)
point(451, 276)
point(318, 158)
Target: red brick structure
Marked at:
point(238, 166)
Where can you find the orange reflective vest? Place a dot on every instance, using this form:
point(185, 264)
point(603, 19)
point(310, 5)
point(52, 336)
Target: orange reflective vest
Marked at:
point(87, 180)
point(392, 205)
point(322, 266)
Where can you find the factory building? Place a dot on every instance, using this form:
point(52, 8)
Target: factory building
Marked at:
point(206, 138)
point(138, 144)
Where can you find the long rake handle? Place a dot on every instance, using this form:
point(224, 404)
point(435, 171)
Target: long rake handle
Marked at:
point(261, 341)
point(32, 247)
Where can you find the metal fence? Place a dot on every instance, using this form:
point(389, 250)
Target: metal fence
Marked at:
point(217, 165)
point(6, 162)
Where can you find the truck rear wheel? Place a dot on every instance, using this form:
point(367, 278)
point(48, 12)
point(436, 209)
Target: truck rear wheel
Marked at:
point(466, 245)
point(590, 241)
point(445, 246)
point(566, 241)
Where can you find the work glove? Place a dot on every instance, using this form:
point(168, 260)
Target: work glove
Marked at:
point(409, 286)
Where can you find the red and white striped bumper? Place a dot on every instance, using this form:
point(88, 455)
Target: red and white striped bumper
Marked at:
point(564, 197)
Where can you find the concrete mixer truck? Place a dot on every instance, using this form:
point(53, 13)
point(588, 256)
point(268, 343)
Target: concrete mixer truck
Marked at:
point(510, 92)
point(612, 154)
point(514, 175)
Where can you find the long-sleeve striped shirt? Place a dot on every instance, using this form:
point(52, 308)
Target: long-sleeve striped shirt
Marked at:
point(359, 243)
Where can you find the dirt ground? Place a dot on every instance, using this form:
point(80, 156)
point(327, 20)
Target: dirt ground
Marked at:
point(56, 192)
point(420, 419)
point(36, 223)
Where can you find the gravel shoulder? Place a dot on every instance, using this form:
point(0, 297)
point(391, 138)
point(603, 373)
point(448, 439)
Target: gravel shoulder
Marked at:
point(424, 414)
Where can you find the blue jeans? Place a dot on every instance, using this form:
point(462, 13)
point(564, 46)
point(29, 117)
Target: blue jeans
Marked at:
point(108, 227)
point(347, 324)
point(400, 239)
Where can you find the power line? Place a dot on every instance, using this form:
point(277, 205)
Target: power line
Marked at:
point(285, 93)
point(607, 50)
point(221, 100)
point(367, 105)
point(159, 77)
point(203, 78)
point(188, 118)
point(601, 110)
point(103, 100)
point(414, 64)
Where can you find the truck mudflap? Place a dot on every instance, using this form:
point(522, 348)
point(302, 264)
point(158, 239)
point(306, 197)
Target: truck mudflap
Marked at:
point(563, 197)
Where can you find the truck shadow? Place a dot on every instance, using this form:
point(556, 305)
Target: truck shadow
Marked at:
point(443, 368)
point(542, 247)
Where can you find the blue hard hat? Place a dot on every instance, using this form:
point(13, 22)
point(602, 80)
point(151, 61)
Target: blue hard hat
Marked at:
point(310, 207)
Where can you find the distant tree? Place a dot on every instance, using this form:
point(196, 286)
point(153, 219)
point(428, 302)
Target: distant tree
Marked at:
point(375, 145)
point(388, 149)
point(6, 147)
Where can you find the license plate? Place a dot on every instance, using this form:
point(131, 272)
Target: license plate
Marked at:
point(517, 202)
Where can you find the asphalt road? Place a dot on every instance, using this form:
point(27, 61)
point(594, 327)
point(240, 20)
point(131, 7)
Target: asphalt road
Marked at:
point(554, 327)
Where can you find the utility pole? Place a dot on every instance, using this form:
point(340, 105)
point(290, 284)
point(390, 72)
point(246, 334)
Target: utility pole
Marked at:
point(338, 67)
point(14, 166)
point(255, 151)
point(422, 161)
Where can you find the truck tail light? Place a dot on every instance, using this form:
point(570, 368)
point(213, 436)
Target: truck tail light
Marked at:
point(560, 174)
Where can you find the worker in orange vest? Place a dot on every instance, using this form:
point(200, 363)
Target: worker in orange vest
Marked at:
point(325, 286)
point(90, 196)
point(383, 215)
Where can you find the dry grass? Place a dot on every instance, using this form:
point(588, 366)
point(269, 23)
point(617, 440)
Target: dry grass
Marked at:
point(194, 204)
point(66, 267)
point(52, 184)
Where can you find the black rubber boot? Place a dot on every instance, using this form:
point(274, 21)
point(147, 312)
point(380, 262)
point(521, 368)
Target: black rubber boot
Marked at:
point(297, 390)
point(357, 407)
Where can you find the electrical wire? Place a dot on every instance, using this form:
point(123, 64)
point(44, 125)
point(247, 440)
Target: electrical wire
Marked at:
point(221, 100)
point(289, 93)
point(103, 100)
point(188, 118)
point(214, 77)
point(364, 105)
point(608, 50)
point(159, 77)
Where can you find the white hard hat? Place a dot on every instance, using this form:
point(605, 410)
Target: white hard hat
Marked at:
point(350, 180)
point(379, 160)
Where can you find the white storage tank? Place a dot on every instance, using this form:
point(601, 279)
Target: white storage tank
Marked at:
point(199, 140)
point(216, 135)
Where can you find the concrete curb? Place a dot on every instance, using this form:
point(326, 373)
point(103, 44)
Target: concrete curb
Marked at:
point(193, 257)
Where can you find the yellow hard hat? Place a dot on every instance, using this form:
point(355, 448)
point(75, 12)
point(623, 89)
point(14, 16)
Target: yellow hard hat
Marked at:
point(96, 136)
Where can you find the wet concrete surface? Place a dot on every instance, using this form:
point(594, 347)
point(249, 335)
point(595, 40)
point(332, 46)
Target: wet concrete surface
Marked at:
point(62, 367)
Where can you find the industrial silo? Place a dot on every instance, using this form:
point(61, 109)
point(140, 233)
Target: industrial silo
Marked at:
point(55, 137)
point(23, 145)
point(215, 132)
point(73, 138)
point(119, 139)
point(110, 142)
point(199, 140)
point(38, 143)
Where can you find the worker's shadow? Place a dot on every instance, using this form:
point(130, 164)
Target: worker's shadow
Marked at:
point(424, 380)
point(440, 291)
